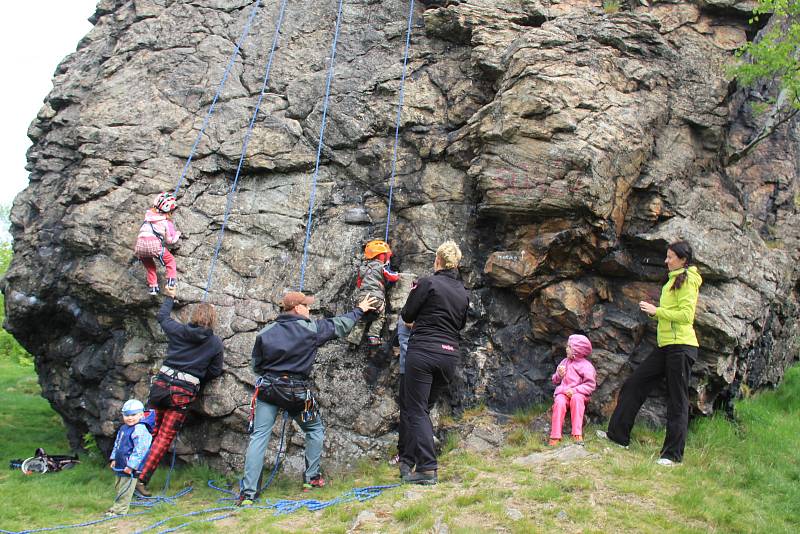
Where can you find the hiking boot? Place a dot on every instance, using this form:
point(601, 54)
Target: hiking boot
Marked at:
point(142, 490)
point(154, 290)
point(422, 478)
point(577, 440)
point(405, 469)
point(316, 482)
point(602, 434)
point(172, 283)
point(554, 442)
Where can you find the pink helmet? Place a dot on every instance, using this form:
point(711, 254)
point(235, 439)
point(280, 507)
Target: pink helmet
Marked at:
point(165, 202)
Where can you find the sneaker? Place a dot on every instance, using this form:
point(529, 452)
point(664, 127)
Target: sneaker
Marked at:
point(394, 460)
point(554, 442)
point(577, 440)
point(142, 490)
point(172, 282)
point(316, 482)
point(405, 469)
point(154, 290)
point(373, 341)
point(110, 514)
point(602, 434)
point(666, 462)
point(244, 501)
point(422, 478)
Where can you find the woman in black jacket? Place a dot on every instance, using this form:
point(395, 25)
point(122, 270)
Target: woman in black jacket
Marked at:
point(194, 355)
point(437, 306)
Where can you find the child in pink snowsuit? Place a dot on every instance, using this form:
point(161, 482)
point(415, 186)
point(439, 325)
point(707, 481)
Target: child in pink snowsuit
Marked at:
point(156, 232)
point(575, 379)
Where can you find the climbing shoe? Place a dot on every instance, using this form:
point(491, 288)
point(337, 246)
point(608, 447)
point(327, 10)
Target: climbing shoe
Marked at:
point(172, 283)
point(422, 478)
point(316, 482)
point(554, 442)
point(244, 501)
point(154, 290)
point(142, 490)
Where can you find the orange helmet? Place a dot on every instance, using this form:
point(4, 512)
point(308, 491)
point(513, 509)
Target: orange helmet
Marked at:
point(375, 248)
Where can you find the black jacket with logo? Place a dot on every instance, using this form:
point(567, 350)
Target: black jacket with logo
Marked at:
point(437, 305)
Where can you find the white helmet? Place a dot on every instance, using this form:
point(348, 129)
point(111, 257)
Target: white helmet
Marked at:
point(132, 407)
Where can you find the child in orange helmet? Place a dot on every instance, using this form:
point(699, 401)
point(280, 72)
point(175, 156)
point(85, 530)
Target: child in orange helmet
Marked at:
point(156, 232)
point(373, 275)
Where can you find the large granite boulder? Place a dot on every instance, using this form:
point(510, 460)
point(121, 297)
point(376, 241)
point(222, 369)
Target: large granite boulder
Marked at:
point(561, 146)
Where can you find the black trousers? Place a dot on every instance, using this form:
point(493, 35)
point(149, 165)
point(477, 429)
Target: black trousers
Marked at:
point(403, 450)
point(428, 375)
point(673, 362)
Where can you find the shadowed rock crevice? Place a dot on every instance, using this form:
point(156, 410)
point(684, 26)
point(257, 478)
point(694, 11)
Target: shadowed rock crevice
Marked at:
point(562, 147)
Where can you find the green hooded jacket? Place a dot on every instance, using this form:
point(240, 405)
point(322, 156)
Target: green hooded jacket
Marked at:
point(675, 312)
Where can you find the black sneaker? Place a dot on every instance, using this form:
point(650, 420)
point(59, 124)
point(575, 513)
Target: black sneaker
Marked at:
point(422, 478)
point(154, 290)
point(172, 283)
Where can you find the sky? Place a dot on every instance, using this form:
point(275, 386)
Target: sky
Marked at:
point(35, 35)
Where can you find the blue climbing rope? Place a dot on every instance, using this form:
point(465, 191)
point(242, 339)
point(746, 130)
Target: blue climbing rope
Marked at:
point(319, 147)
point(397, 121)
point(278, 507)
point(227, 72)
point(248, 134)
point(77, 525)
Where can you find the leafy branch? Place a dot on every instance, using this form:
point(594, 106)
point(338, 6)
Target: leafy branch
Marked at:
point(773, 57)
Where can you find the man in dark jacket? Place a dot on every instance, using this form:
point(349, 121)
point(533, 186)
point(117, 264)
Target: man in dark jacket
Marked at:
point(437, 306)
point(194, 355)
point(283, 354)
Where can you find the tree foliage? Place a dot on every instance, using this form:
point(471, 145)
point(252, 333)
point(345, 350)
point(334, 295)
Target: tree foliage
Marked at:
point(9, 348)
point(774, 56)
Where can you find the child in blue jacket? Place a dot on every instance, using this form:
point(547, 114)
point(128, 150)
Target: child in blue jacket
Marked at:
point(129, 452)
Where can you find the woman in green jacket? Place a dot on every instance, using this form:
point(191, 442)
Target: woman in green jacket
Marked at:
point(672, 359)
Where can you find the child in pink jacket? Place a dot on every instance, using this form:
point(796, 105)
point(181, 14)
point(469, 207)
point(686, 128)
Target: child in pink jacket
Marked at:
point(156, 232)
point(575, 382)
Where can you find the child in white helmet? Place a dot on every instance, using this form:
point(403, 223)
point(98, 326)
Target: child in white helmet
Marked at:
point(155, 234)
point(129, 452)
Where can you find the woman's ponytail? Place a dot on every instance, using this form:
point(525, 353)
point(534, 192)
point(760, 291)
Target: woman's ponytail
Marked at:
point(683, 250)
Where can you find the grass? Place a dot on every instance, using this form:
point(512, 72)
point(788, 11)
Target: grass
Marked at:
point(736, 477)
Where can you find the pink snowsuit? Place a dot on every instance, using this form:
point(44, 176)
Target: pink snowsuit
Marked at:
point(580, 378)
point(156, 222)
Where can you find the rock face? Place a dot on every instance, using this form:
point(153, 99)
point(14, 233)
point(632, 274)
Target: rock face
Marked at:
point(562, 147)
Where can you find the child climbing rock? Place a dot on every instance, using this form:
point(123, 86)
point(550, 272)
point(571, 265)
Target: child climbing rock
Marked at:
point(575, 379)
point(155, 234)
point(130, 449)
point(373, 275)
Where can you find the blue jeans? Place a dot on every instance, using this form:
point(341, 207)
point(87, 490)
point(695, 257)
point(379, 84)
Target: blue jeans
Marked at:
point(254, 458)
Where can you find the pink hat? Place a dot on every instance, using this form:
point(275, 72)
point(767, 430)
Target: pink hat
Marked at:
point(580, 345)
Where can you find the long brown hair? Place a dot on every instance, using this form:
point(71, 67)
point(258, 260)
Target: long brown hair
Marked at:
point(683, 250)
point(204, 315)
